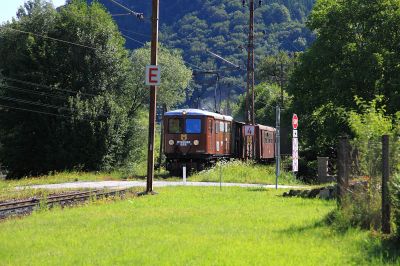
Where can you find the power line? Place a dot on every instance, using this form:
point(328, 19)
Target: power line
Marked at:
point(37, 103)
point(46, 113)
point(32, 92)
point(32, 103)
point(48, 87)
point(134, 32)
point(130, 38)
point(118, 15)
point(50, 38)
point(136, 14)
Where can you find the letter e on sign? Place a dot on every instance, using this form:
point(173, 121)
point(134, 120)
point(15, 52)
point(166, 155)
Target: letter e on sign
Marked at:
point(153, 75)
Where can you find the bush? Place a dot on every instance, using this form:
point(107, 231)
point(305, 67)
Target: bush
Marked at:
point(396, 202)
point(361, 207)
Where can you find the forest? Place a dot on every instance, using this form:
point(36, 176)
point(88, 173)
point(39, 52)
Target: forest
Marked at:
point(220, 26)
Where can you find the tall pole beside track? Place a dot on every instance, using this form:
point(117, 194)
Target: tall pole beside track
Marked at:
point(153, 98)
point(250, 69)
point(250, 119)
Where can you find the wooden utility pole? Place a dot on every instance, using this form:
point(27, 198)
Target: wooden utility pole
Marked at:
point(250, 69)
point(153, 98)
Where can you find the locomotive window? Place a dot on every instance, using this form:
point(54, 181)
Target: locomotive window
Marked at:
point(210, 125)
point(221, 126)
point(228, 127)
point(175, 125)
point(193, 126)
point(216, 126)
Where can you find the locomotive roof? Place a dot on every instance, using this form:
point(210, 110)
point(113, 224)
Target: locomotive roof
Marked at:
point(199, 112)
point(266, 128)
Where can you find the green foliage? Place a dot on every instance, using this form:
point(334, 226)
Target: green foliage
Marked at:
point(175, 75)
point(276, 68)
point(395, 188)
point(368, 126)
point(354, 55)
point(372, 121)
point(266, 98)
point(86, 87)
point(362, 205)
point(323, 127)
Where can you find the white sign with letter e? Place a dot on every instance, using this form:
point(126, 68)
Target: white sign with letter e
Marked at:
point(153, 75)
point(249, 130)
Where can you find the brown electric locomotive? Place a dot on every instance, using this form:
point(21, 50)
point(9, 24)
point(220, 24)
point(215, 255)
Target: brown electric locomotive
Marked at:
point(197, 138)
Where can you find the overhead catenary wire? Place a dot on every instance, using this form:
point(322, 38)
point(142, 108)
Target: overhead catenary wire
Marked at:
point(33, 103)
point(134, 32)
point(42, 104)
point(50, 38)
point(132, 39)
point(40, 93)
point(39, 103)
point(118, 15)
point(46, 113)
point(137, 14)
point(47, 87)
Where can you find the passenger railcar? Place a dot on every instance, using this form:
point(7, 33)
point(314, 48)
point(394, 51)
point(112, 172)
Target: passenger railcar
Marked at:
point(197, 138)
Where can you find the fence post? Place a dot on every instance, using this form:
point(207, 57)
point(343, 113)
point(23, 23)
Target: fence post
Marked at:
point(343, 169)
point(385, 185)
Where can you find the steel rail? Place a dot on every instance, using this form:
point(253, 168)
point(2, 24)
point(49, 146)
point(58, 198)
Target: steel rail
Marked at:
point(52, 200)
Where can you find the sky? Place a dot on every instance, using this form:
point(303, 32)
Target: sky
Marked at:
point(8, 8)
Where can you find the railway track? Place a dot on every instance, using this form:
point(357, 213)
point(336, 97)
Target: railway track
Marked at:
point(23, 207)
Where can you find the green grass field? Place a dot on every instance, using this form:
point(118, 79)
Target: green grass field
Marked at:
point(189, 226)
point(235, 171)
point(242, 172)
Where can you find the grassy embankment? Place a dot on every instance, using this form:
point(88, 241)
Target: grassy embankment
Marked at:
point(235, 171)
point(242, 172)
point(186, 225)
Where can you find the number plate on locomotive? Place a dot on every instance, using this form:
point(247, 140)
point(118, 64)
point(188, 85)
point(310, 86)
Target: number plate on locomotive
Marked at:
point(183, 143)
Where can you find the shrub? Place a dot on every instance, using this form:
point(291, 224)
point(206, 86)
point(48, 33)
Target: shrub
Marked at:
point(362, 204)
point(396, 202)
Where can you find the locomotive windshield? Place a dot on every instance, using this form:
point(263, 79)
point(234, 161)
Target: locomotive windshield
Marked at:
point(175, 125)
point(193, 126)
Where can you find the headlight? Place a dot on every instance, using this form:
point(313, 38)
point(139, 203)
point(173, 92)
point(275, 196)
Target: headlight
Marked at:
point(171, 142)
point(196, 142)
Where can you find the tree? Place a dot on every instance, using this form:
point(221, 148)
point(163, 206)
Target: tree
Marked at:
point(175, 76)
point(355, 54)
point(66, 104)
point(267, 97)
point(276, 69)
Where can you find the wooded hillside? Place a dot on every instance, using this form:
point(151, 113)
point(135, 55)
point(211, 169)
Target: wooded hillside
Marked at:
point(220, 26)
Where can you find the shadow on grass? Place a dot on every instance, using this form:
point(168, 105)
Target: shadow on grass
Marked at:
point(257, 189)
point(383, 248)
point(304, 228)
point(387, 249)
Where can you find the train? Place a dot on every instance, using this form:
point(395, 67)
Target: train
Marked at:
point(198, 139)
